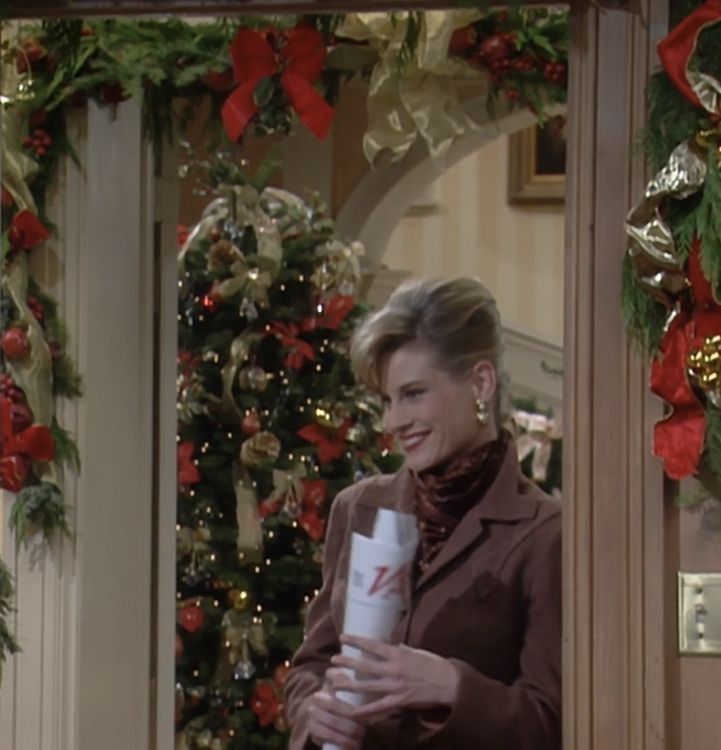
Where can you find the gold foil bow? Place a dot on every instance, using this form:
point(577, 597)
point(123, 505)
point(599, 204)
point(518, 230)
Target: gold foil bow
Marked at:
point(420, 97)
point(651, 247)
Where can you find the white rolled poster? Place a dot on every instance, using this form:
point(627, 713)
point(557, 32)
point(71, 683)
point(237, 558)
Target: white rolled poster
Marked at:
point(377, 573)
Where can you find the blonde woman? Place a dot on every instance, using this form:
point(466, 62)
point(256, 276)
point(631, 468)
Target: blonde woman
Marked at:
point(475, 661)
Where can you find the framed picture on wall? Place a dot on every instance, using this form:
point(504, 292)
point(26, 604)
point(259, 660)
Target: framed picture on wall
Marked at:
point(537, 164)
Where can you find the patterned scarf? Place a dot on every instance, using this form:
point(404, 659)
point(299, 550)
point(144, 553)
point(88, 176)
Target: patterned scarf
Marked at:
point(444, 495)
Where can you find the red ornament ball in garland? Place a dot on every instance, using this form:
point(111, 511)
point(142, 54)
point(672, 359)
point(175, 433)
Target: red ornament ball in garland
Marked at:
point(21, 417)
point(462, 41)
point(250, 423)
point(15, 343)
point(496, 48)
point(14, 472)
point(191, 618)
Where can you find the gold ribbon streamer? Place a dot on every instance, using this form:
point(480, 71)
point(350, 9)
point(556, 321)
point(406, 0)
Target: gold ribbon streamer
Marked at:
point(239, 351)
point(420, 98)
point(651, 246)
point(250, 532)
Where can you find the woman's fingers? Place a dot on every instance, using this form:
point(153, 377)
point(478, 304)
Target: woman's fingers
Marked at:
point(339, 679)
point(361, 667)
point(378, 708)
point(330, 720)
point(368, 645)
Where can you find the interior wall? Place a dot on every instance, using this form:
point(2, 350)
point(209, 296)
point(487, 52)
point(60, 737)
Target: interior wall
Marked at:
point(466, 226)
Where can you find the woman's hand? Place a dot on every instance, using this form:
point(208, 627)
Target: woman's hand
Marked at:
point(331, 720)
point(393, 678)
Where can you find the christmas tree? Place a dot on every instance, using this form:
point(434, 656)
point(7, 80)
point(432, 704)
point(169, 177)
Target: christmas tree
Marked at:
point(271, 425)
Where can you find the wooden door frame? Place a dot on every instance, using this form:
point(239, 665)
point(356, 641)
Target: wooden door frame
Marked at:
point(619, 557)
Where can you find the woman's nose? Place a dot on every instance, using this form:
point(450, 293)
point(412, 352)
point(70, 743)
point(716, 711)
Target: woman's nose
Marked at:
point(395, 418)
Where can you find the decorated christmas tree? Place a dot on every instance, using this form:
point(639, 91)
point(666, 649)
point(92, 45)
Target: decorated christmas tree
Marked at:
point(271, 425)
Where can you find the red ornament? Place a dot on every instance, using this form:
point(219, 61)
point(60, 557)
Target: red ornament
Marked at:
point(250, 423)
point(112, 93)
point(210, 302)
point(462, 41)
point(191, 618)
point(496, 48)
point(15, 343)
point(21, 417)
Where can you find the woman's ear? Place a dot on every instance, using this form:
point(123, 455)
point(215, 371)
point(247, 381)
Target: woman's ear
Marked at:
point(484, 380)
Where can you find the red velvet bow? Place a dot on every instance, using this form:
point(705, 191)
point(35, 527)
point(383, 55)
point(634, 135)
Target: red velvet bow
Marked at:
point(18, 450)
point(679, 438)
point(677, 47)
point(300, 350)
point(335, 311)
point(26, 231)
point(298, 55)
point(330, 444)
point(188, 472)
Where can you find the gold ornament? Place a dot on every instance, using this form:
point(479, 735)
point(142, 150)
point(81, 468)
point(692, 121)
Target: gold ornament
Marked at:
point(222, 254)
point(239, 599)
point(253, 378)
point(263, 446)
point(704, 368)
point(338, 270)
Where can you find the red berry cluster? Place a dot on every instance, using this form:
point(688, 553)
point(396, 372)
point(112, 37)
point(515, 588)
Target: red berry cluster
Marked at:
point(36, 309)
point(40, 141)
point(555, 72)
point(9, 389)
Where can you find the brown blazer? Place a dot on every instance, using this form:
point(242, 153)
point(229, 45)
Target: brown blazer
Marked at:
point(490, 601)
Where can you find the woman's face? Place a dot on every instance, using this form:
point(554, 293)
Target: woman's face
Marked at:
point(429, 412)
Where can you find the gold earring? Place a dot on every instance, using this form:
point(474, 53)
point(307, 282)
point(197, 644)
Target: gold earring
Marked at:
point(483, 413)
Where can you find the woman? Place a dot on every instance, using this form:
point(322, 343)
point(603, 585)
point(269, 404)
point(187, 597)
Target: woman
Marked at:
point(475, 660)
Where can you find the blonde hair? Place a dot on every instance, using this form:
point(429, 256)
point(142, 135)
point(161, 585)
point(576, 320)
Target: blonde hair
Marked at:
point(456, 318)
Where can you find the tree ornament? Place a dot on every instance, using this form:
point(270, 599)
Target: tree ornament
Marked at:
point(463, 40)
point(250, 425)
point(191, 618)
point(704, 367)
point(496, 48)
point(14, 471)
point(239, 599)
point(253, 378)
point(21, 417)
point(15, 343)
point(264, 446)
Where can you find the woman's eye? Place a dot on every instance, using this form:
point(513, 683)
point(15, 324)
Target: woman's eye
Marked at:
point(414, 392)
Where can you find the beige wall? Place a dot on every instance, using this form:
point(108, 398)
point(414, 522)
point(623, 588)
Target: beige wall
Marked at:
point(516, 251)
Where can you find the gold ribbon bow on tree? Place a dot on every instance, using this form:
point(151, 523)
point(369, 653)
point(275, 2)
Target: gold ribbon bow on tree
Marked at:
point(417, 97)
point(536, 439)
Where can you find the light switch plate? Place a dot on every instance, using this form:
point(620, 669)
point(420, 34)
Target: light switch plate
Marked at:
point(699, 613)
